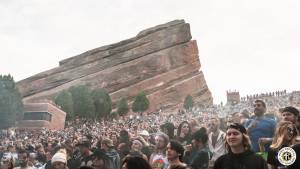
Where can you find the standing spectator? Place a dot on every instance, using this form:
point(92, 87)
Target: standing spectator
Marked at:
point(168, 128)
point(291, 114)
point(84, 148)
point(124, 144)
point(285, 136)
point(23, 159)
point(244, 117)
point(235, 117)
point(184, 133)
point(113, 156)
point(41, 155)
point(136, 149)
point(216, 140)
point(175, 152)
point(158, 159)
point(260, 126)
point(147, 147)
point(194, 125)
point(288, 114)
point(239, 154)
point(59, 160)
point(199, 158)
point(6, 162)
point(100, 160)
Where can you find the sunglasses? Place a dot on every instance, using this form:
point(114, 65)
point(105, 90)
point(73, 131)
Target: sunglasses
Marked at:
point(290, 130)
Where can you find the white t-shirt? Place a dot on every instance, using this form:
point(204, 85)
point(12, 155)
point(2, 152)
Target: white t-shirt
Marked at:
point(159, 161)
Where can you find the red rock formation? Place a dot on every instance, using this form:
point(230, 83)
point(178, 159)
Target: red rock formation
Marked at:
point(163, 61)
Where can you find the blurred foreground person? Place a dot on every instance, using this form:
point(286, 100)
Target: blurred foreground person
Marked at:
point(239, 154)
point(6, 163)
point(135, 163)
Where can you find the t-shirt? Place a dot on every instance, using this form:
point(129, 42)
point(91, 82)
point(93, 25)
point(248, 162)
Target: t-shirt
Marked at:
point(265, 128)
point(273, 159)
point(159, 161)
point(201, 160)
point(296, 164)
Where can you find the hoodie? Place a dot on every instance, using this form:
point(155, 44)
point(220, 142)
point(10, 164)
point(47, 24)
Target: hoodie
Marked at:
point(245, 160)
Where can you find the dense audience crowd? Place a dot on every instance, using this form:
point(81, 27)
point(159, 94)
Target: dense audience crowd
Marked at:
point(195, 139)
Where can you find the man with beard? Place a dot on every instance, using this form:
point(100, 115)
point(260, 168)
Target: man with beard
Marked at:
point(198, 157)
point(216, 140)
point(259, 126)
point(84, 148)
point(290, 114)
point(113, 156)
point(23, 158)
point(158, 159)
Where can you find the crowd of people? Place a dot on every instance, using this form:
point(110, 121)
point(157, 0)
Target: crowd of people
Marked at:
point(183, 140)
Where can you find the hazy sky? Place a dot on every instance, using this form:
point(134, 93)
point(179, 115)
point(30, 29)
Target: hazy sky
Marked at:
point(251, 46)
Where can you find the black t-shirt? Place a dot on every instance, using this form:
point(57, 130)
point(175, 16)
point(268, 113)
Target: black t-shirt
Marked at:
point(197, 159)
point(245, 160)
point(296, 164)
point(273, 159)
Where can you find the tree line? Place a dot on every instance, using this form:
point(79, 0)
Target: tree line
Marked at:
point(77, 101)
point(82, 102)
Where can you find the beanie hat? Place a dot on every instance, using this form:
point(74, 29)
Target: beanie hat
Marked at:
point(291, 109)
point(60, 156)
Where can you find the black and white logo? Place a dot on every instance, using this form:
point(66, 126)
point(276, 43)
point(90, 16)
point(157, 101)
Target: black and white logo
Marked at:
point(286, 156)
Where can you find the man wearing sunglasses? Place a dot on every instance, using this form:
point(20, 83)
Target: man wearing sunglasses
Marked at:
point(259, 126)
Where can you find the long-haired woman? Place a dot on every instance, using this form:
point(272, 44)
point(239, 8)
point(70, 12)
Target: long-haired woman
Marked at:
point(285, 136)
point(184, 133)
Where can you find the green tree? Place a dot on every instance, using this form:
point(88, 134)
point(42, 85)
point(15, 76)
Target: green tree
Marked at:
point(123, 107)
point(102, 102)
point(141, 103)
point(188, 102)
point(11, 104)
point(65, 101)
point(114, 115)
point(82, 101)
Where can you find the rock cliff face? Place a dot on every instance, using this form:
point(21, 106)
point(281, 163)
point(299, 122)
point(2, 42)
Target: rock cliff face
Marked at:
point(163, 61)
